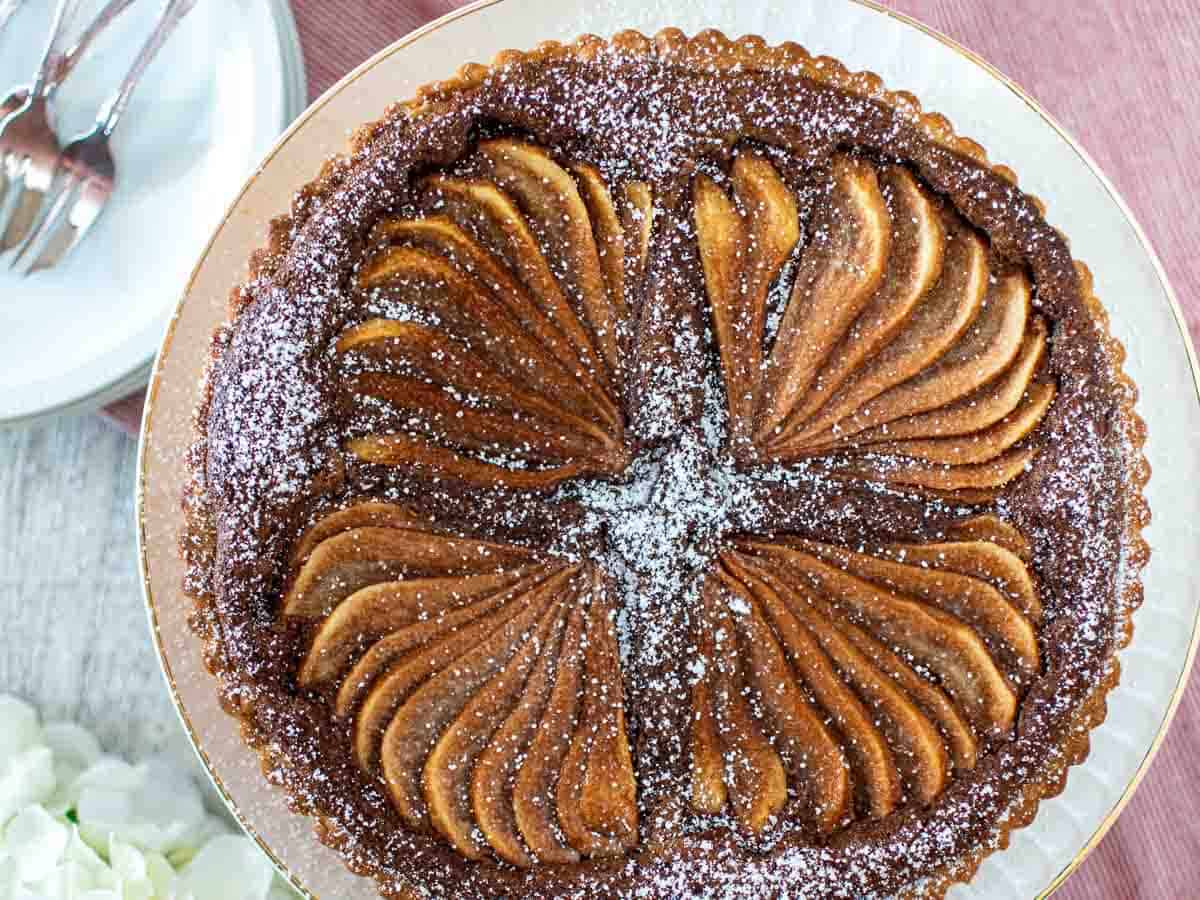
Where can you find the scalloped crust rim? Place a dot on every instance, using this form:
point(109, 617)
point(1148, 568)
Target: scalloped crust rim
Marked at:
point(712, 50)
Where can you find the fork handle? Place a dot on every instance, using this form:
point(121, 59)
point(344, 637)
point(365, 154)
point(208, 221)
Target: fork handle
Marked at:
point(172, 14)
point(64, 11)
point(64, 62)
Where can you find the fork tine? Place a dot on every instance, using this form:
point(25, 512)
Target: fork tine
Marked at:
point(55, 210)
point(8, 186)
point(24, 212)
point(61, 227)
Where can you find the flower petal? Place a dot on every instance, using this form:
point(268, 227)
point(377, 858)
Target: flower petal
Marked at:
point(28, 778)
point(37, 842)
point(19, 728)
point(228, 867)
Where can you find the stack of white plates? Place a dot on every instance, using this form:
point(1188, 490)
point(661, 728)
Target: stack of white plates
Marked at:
point(214, 101)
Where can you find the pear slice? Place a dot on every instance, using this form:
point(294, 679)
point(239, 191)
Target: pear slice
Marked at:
point(976, 602)
point(441, 235)
point(914, 266)
point(449, 362)
point(982, 353)
point(446, 775)
point(985, 560)
point(415, 727)
point(959, 738)
point(360, 515)
point(503, 230)
point(609, 235)
point(418, 453)
point(841, 269)
point(435, 647)
point(743, 245)
point(952, 481)
point(350, 560)
point(981, 446)
point(708, 792)
point(463, 305)
point(754, 772)
point(472, 423)
point(772, 230)
point(930, 700)
point(934, 326)
point(534, 807)
point(424, 630)
point(721, 239)
point(974, 412)
point(550, 197)
point(492, 778)
point(597, 793)
point(637, 221)
point(876, 778)
point(916, 744)
point(390, 606)
point(952, 650)
point(988, 527)
point(816, 763)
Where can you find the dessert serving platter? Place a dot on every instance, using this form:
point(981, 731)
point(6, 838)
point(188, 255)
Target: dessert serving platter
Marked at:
point(908, 57)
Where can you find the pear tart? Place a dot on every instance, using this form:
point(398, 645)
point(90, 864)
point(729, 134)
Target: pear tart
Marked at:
point(665, 467)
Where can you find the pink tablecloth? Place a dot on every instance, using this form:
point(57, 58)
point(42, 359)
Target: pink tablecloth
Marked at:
point(1124, 77)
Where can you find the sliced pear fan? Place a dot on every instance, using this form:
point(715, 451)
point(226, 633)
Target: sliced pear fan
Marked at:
point(950, 648)
point(876, 778)
point(753, 768)
point(521, 282)
point(387, 607)
point(448, 364)
point(976, 411)
point(503, 232)
point(596, 794)
point(584, 393)
point(488, 696)
point(867, 679)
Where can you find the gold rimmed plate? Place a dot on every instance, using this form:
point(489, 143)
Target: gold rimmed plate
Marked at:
point(949, 79)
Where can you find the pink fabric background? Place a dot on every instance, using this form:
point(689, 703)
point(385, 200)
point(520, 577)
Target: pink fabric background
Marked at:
point(1124, 78)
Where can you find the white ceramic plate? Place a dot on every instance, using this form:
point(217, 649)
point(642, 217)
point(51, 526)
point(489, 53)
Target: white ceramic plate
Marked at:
point(982, 105)
point(229, 81)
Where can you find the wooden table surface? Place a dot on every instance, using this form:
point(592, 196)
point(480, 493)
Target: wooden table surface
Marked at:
point(74, 639)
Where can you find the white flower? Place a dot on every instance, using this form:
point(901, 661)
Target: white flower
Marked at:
point(36, 841)
point(227, 868)
point(76, 825)
point(28, 777)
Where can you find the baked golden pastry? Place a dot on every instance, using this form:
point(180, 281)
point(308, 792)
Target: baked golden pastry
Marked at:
point(665, 467)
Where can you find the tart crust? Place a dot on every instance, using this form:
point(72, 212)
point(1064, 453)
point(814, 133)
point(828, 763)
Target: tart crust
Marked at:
point(707, 51)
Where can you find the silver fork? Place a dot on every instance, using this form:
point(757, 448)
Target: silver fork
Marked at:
point(86, 174)
point(28, 145)
point(63, 63)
